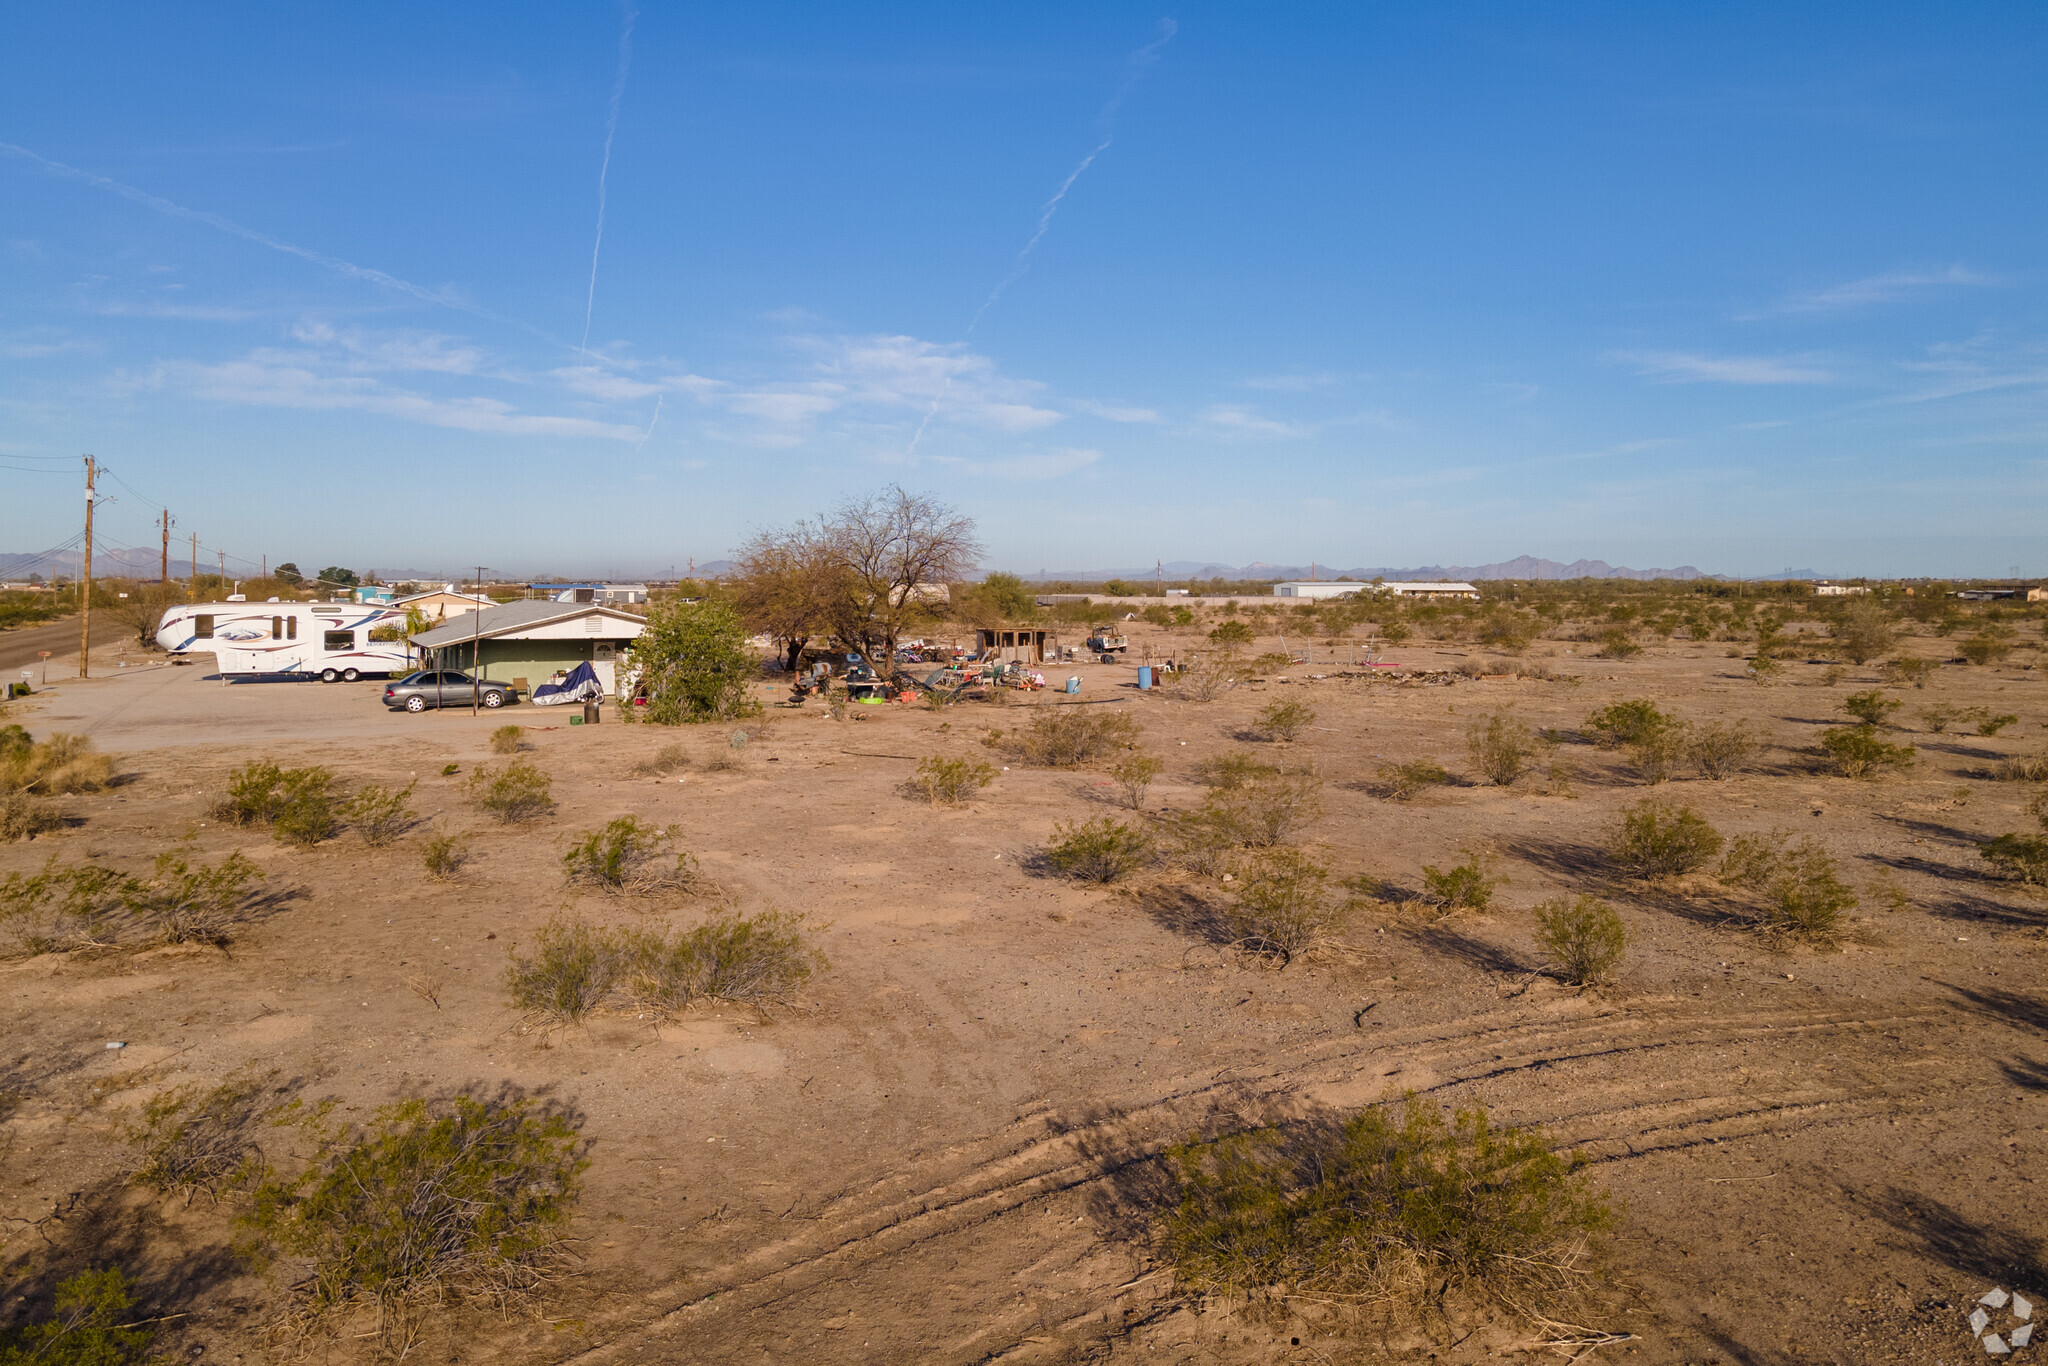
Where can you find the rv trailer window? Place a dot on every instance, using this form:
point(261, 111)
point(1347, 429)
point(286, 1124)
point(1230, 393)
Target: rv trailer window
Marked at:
point(291, 628)
point(202, 628)
point(341, 640)
point(277, 628)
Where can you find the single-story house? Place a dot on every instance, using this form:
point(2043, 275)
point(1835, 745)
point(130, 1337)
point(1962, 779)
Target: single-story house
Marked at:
point(527, 642)
point(1316, 588)
point(589, 592)
point(439, 604)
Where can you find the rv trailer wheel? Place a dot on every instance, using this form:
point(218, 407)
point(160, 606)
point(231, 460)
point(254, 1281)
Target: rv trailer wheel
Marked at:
point(349, 675)
point(415, 703)
point(328, 675)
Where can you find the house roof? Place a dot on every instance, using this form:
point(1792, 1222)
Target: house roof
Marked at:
point(444, 593)
point(515, 618)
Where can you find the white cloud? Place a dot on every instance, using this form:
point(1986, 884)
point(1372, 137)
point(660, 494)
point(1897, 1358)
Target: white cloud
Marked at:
point(1880, 289)
point(273, 379)
point(596, 382)
point(1679, 367)
point(1293, 384)
point(1238, 421)
point(1116, 412)
point(1052, 464)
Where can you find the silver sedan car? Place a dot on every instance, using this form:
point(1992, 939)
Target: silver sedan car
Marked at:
point(447, 688)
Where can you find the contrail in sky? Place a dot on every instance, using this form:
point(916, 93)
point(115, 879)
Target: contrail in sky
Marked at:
point(1105, 122)
point(611, 128)
point(262, 239)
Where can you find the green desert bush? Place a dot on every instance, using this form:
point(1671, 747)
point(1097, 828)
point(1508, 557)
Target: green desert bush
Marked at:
point(380, 814)
point(1799, 894)
point(506, 739)
point(60, 909)
point(1403, 782)
point(1907, 669)
point(23, 815)
point(1386, 1213)
point(1940, 716)
point(1628, 723)
point(1133, 774)
point(1101, 850)
point(1617, 643)
point(1068, 737)
point(1232, 633)
point(443, 856)
point(1228, 772)
point(1283, 903)
point(298, 804)
point(55, 767)
point(2024, 857)
point(1467, 886)
point(1988, 724)
point(426, 1203)
point(516, 792)
point(1502, 748)
point(755, 960)
point(1720, 751)
point(195, 1140)
point(1656, 757)
point(192, 903)
point(92, 1324)
point(1872, 708)
point(1864, 632)
point(1256, 814)
point(1985, 649)
point(1658, 840)
point(1582, 937)
point(1859, 752)
point(951, 782)
point(1283, 720)
point(629, 855)
point(572, 969)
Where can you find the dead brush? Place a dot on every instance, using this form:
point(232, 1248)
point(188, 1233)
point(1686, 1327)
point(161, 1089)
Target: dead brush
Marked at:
point(57, 766)
point(23, 815)
point(1068, 737)
point(631, 856)
point(196, 1141)
point(188, 904)
point(664, 761)
point(62, 910)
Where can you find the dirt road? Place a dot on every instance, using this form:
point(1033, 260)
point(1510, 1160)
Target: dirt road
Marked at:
point(19, 648)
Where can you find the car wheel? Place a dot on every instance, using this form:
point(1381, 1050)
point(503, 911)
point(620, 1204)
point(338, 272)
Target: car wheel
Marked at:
point(415, 703)
point(349, 675)
point(494, 699)
point(328, 675)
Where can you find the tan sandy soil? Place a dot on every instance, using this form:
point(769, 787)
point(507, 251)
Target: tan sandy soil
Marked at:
point(944, 1155)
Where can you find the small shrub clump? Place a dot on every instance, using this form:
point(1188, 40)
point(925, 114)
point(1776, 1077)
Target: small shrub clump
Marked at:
point(506, 739)
point(1859, 752)
point(2024, 768)
point(380, 814)
point(1232, 633)
point(195, 1141)
point(1068, 737)
point(951, 782)
point(1388, 1212)
point(61, 909)
point(1502, 748)
point(1872, 708)
point(92, 1325)
point(1282, 905)
point(1908, 669)
point(424, 1203)
point(1720, 751)
point(663, 762)
point(188, 904)
point(1582, 936)
point(1101, 850)
point(1985, 649)
point(1133, 774)
point(1283, 720)
point(55, 767)
point(1467, 886)
point(516, 792)
point(1655, 840)
point(1229, 772)
point(629, 855)
point(2022, 856)
point(298, 804)
point(578, 968)
point(1257, 814)
point(1797, 890)
point(443, 857)
point(1404, 782)
point(23, 815)
point(1627, 723)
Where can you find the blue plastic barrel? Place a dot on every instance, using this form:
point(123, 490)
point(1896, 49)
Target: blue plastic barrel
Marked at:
point(1144, 676)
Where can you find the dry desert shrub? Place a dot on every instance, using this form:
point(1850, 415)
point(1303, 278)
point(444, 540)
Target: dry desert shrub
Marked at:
point(196, 1140)
point(298, 804)
point(666, 760)
point(424, 1204)
point(2024, 768)
point(1907, 669)
point(1101, 850)
point(1134, 773)
point(193, 904)
point(1466, 886)
point(1383, 1216)
point(1502, 748)
point(577, 968)
point(1657, 840)
point(1260, 813)
point(1721, 751)
point(1404, 782)
point(515, 792)
point(1283, 720)
point(1283, 903)
point(1872, 708)
point(629, 855)
point(1233, 770)
point(506, 740)
point(1859, 752)
point(23, 815)
point(1582, 936)
point(1068, 737)
point(950, 782)
point(60, 909)
point(54, 767)
point(380, 814)
point(1209, 676)
point(443, 857)
point(1798, 892)
point(1620, 724)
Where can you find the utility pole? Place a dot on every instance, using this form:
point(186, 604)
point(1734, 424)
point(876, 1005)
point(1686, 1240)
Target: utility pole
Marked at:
point(192, 588)
point(475, 630)
point(85, 587)
point(164, 572)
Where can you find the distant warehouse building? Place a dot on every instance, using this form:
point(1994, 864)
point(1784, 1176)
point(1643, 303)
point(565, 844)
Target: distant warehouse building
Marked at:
point(1326, 588)
point(1317, 588)
point(1431, 588)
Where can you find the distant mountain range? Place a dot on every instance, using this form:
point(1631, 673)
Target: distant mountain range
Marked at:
point(1521, 567)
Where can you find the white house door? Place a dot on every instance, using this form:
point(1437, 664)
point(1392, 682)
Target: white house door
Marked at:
point(603, 658)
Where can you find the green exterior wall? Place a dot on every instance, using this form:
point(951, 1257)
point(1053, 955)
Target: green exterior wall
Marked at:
point(501, 661)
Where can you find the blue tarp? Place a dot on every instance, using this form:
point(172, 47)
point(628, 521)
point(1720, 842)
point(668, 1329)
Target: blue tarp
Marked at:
point(580, 686)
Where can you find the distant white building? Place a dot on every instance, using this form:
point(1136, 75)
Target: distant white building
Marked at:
point(1839, 590)
point(1317, 588)
point(1430, 589)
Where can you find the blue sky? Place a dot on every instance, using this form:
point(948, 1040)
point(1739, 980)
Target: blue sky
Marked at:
point(1742, 286)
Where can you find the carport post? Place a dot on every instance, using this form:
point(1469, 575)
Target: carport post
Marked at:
point(476, 622)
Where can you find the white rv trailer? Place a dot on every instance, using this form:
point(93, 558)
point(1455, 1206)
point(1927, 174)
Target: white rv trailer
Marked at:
point(327, 640)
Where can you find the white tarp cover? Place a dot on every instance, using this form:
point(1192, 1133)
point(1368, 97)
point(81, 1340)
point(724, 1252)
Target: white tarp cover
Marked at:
point(580, 686)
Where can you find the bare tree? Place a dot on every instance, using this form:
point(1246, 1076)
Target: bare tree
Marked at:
point(787, 583)
point(899, 551)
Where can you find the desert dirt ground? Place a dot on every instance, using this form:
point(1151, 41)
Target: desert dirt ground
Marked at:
point(949, 1152)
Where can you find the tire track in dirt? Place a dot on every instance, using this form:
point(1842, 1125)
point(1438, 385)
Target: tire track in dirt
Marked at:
point(1040, 1157)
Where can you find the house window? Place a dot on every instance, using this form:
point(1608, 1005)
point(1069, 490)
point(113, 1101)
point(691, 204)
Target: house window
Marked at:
point(202, 628)
point(341, 640)
point(603, 650)
point(277, 628)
